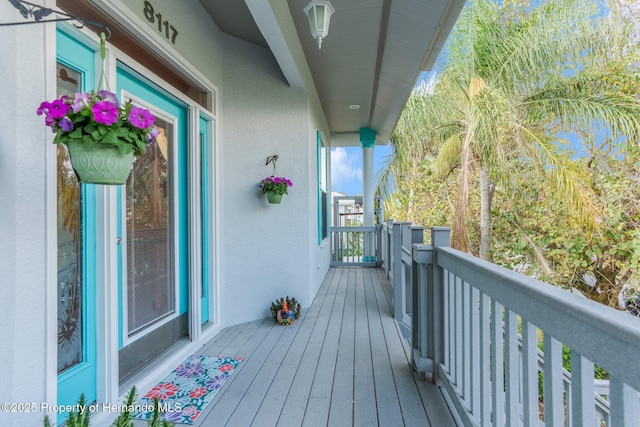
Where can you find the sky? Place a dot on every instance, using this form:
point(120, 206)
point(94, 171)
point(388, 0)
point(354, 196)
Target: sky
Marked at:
point(346, 167)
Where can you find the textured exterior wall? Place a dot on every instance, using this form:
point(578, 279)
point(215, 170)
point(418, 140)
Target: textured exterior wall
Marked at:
point(23, 241)
point(263, 247)
point(264, 251)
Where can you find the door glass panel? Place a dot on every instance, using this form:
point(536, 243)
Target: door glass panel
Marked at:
point(69, 217)
point(150, 289)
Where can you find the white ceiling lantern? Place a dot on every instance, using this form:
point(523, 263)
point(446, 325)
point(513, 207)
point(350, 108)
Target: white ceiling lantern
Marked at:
point(319, 12)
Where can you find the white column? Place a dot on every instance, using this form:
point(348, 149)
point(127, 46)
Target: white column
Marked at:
point(367, 183)
point(368, 141)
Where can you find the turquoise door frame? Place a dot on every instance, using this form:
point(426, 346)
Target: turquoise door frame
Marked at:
point(81, 378)
point(207, 248)
point(139, 87)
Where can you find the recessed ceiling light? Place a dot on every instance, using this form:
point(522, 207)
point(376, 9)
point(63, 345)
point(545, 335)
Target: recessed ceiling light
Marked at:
point(354, 106)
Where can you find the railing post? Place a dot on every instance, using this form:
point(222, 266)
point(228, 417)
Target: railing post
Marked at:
point(387, 249)
point(417, 234)
point(396, 269)
point(421, 259)
point(440, 237)
point(379, 231)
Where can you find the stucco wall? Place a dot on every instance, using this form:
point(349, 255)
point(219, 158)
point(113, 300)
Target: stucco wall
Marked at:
point(319, 255)
point(198, 38)
point(23, 191)
point(263, 247)
point(265, 251)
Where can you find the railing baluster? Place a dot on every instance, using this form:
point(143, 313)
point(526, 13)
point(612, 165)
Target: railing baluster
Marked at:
point(447, 320)
point(458, 349)
point(485, 360)
point(396, 261)
point(625, 409)
point(466, 347)
point(497, 363)
point(476, 390)
point(582, 390)
point(530, 374)
point(553, 392)
point(512, 369)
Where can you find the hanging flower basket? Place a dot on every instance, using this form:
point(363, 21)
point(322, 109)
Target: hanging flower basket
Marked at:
point(102, 137)
point(275, 186)
point(99, 163)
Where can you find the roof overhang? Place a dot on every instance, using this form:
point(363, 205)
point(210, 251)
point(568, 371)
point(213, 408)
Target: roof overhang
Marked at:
point(372, 57)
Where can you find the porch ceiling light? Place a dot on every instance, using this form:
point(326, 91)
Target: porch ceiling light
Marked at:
point(319, 13)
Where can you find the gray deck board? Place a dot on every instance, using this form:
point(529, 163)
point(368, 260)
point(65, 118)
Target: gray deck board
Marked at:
point(341, 405)
point(343, 363)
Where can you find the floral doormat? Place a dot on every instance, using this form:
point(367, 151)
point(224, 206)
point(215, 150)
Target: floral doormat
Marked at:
point(188, 389)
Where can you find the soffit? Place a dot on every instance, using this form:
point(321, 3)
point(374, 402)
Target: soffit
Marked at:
point(372, 57)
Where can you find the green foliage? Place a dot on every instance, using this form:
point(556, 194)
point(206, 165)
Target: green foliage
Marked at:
point(578, 258)
point(155, 420)
point(94, 118)
point(525, 85)
point(80, 418)
point(598, 372)
point(125, 419)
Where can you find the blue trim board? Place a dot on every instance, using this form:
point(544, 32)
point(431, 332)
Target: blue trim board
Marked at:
point(206, 175)
point(82, 377)
point(319, 181)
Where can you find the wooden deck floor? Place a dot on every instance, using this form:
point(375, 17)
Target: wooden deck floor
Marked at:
point(343, 363)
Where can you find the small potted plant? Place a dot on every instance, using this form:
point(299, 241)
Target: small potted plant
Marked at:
point(275, 186)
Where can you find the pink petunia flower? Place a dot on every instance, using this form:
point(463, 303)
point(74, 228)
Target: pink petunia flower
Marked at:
point(80, 101)
point(58, 109)
point(109, 97)
point(140, 118)
point(152, 134)
point(104, 112)
point(44, 109)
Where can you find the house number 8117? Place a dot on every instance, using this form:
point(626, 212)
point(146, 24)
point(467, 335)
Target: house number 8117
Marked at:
point(163, 26)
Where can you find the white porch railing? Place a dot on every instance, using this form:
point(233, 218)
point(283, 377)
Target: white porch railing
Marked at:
point(354, 246)
point(476, 328)
point(397, 240)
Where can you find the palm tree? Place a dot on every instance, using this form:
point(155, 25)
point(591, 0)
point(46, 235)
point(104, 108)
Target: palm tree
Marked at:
point(413, 142)
point(518, 77)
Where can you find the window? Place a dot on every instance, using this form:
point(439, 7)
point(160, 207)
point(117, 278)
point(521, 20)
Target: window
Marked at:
point(70, 243)
point(323, 199)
